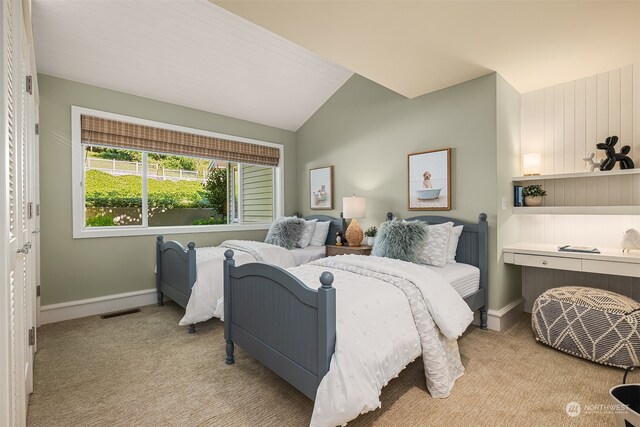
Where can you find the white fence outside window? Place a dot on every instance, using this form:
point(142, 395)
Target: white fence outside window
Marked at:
point(155, 171)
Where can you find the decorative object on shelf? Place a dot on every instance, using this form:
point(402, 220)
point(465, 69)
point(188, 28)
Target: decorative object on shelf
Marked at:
point(429, 178)
point(631, 240)
point(591, 164)
point(613, 157)
point(321, 187)
point(354, 208)
point(518, 197)
point(531, 164)
point(338, 238)
point(371, 235)
point(533, 195)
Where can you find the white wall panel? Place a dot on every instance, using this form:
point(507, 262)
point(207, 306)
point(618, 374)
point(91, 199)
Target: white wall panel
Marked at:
point(563, 123)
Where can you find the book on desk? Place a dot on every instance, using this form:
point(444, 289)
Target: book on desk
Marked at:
point(579, 249)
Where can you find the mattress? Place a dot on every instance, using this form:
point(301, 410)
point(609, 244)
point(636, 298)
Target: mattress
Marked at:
point(464, 278)
point(308, 254)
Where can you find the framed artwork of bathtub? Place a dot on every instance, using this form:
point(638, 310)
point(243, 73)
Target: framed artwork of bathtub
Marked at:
point(321, 187)
point(429, 176)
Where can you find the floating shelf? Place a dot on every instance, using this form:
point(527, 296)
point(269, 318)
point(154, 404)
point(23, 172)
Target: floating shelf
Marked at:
point(578, 210)
point(615, 172)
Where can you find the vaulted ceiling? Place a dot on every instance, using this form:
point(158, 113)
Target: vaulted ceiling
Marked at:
point(277, 61)
point(187, 52)
point(415, 47)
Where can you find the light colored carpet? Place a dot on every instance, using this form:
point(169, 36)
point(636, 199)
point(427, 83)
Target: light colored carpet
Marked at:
point(144, 370)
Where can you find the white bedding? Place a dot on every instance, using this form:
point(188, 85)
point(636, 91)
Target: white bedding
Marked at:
point(464, 278)
point(308, 254)
point(207, 293)
point(388, 312)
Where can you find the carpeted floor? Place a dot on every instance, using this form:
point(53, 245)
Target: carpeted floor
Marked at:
point(144, 370)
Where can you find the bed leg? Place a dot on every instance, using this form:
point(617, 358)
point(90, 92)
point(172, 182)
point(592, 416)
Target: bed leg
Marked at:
point(483, 318)
point(192, 328)
point(160, 299)
point(230, 360)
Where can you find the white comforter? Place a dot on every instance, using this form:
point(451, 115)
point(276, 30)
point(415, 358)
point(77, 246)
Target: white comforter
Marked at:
point(207, 293)
point(388, 313)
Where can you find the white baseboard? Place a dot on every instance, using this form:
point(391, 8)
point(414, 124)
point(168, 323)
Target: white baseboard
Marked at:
point(499, 320)
point(88, 307)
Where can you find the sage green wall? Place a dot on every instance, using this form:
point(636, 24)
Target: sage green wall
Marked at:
point(76, 269)
point(366, 132)
point(508, 152)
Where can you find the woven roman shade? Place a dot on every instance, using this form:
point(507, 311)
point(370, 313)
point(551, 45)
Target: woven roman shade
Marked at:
point(114, 133)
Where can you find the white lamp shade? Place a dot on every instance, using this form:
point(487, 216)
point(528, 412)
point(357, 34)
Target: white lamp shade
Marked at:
point(353, 207)
point(531, 164)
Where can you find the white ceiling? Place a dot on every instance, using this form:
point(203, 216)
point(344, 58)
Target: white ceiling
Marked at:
point(186, 52)
point(416, 47)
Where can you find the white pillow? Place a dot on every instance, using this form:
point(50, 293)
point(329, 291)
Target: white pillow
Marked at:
point(320, 234)
point(436, 246)
point(456, 232)
point(307, 233)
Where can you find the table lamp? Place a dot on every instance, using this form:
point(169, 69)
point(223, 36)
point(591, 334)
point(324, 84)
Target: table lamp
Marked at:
point(531, 164)
point(354, 208)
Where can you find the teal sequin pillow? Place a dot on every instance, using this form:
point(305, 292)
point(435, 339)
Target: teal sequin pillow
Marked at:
point(399, 239)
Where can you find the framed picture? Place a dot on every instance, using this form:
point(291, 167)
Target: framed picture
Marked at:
point(321, 187)
point(429, 179)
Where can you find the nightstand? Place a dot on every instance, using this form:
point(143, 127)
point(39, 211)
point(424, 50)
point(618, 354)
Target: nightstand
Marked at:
point(332, 250)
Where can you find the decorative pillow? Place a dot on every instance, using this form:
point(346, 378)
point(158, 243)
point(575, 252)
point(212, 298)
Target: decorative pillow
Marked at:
point(320, 234)
point(436, 247)
point(307, 233)
point(285, 232)
point(401, 240)
point(456, 232)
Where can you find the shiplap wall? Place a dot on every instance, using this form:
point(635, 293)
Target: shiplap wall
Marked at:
point(566, 121)
point(563, 123)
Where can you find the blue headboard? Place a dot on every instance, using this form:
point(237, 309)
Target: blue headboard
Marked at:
point(473, 246)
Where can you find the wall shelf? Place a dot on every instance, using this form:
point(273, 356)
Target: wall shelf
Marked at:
point(577, 210)
point(615, 172)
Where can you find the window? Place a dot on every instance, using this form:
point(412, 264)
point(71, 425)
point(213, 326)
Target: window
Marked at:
point(134, 177)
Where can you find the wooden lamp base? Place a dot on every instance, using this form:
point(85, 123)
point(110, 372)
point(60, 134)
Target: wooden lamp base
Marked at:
point(354, 233)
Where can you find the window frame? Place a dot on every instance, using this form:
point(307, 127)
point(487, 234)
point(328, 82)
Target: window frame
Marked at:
point(78, 193)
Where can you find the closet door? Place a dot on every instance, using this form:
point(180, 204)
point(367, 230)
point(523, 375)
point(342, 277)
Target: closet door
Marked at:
point(16, 298)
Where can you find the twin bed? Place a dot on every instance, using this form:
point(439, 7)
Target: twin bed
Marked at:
point(339, 328)
point(177, 269)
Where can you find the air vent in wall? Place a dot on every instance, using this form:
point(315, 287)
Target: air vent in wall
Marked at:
point(119, 313)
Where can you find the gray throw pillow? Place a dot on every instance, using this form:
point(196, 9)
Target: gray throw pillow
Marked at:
point(403, 240)
point(285, 232)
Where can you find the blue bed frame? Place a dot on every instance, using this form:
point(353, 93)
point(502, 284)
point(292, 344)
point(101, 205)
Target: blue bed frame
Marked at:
point(291, 328)
point(176, 265)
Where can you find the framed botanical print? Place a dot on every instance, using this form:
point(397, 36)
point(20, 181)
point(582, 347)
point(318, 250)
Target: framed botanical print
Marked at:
point(429, 177)
point(321, 187)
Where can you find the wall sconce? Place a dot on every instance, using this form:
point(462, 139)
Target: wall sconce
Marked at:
point(531, 164)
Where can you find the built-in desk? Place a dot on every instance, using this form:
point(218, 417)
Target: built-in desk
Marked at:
point(609, 261)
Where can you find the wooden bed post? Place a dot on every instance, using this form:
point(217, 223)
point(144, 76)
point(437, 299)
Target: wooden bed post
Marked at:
point(229, 262)
point(326, 323)
point(158, 270)
point(483, 254)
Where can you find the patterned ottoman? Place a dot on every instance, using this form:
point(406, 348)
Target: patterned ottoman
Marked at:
point(597, 325)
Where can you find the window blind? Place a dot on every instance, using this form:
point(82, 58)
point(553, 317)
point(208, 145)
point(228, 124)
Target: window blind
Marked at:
point(114, 133)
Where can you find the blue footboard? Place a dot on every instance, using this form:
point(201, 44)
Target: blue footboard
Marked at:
point(287, 326)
